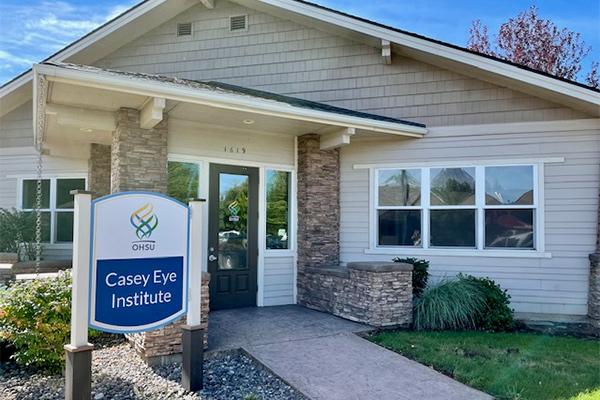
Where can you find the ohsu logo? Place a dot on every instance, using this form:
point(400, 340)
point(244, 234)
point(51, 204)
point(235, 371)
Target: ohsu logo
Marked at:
point(145, 222)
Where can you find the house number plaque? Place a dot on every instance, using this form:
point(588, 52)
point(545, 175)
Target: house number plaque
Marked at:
point(231, 149)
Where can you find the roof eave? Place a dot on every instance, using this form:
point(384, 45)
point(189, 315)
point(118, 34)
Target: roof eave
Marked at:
point(237, 102)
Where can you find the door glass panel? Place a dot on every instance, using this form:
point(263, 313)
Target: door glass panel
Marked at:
point(233, 221)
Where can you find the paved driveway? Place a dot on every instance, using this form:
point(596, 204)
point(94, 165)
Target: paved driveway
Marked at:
point(321, 356)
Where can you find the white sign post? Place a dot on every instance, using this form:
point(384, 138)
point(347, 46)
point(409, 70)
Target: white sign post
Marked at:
point(193, 332)
point(78, 371)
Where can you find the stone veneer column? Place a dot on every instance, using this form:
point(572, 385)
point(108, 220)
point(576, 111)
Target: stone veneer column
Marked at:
point(594, 288)
point(318, 204)
point(99, 169)
point(139, 156)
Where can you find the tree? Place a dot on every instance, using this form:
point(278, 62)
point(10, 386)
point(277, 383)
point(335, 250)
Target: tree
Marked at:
point(536, 43)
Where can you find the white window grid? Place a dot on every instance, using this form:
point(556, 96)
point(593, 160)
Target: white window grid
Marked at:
point(480, 207)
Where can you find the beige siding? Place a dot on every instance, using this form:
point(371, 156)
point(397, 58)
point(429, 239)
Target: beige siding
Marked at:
point(288, 58)
point(16, 127)
point(279, 280)
point(220, 143)
point(555, 285)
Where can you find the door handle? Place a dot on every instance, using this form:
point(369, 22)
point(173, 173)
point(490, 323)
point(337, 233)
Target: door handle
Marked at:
point(212, 257)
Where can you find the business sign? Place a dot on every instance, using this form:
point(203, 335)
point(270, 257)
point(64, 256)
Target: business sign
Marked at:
point(139, 262)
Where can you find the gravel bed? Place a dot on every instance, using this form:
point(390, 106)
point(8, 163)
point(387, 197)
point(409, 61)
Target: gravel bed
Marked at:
point(118, 373)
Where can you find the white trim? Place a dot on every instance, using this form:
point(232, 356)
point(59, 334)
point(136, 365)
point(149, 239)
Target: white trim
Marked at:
point(295, 224)
point(262, 235)
point(464, 163)
point(448, 252)
point(228, 101)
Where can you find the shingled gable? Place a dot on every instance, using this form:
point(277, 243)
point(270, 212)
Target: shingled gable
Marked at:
point(150, 13)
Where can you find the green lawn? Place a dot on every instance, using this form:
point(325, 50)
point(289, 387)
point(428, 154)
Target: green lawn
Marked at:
point(507, 365)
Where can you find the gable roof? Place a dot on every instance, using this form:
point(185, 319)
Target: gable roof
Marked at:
point(150, 13)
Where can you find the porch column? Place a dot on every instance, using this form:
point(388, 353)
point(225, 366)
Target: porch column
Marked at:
point(318, 205)
point(99, 169)
point(139, 156)
point(594, 289)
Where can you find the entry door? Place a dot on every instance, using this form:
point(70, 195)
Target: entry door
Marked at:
point(232, 236)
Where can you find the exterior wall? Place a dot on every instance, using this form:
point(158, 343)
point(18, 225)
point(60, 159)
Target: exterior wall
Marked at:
point(278, 280)
point(16, 127)
point(554, 285)
point(285, 57)
point(17, 163)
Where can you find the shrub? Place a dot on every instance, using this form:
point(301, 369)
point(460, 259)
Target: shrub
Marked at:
point(498, 316)
point(420, 273)
point(453, 304)
point(18, 233)
point(35, 317)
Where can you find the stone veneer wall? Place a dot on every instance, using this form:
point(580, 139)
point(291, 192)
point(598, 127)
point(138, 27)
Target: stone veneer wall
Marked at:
point(378, 293)
point(159, 346)
point(139, 156)
point(99, 169)
point(318, 204)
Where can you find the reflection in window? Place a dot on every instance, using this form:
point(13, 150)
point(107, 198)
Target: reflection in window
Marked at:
point(509, 228)
point(452, 186)
point(509, 185)
point(278, 209)
point(400, 228)
point(452, 228)
point(183, 180)
point(399, 187)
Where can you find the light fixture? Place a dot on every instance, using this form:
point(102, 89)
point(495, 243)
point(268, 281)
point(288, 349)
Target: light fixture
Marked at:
point(248, 121)
point(86, 130)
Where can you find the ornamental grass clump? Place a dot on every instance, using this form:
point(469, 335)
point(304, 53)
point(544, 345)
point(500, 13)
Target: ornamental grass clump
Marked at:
point(452, 304)
point(35, 318)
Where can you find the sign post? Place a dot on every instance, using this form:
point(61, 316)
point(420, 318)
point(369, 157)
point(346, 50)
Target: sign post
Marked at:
point(192, 332)
point(78, 371)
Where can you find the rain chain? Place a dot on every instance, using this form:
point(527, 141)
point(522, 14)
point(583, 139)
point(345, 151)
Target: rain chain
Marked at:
point(39, 147)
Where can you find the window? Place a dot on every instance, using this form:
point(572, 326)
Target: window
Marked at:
point(482, 207)
point(56, 208)
point(183, 180)
point(278, 209)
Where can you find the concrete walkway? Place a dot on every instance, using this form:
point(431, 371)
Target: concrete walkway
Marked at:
point(321, 356)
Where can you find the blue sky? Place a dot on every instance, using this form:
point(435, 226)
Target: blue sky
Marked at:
point(32, 30)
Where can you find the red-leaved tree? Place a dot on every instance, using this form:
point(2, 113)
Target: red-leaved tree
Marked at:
point(536, 43)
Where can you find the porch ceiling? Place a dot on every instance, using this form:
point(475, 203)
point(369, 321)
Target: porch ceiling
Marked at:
point(80, 105)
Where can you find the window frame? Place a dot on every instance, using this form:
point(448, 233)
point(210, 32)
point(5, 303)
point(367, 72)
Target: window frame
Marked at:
point(480, 250)
point(52, 209)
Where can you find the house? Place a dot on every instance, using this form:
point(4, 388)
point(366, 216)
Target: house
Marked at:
point(318, 139)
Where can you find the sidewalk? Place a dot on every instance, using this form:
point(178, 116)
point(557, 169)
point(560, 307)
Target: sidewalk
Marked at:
point(321, 356)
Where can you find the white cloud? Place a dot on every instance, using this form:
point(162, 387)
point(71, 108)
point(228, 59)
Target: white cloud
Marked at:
point(33, 31)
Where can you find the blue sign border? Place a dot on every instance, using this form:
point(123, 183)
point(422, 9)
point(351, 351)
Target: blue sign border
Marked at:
point(91, 299)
